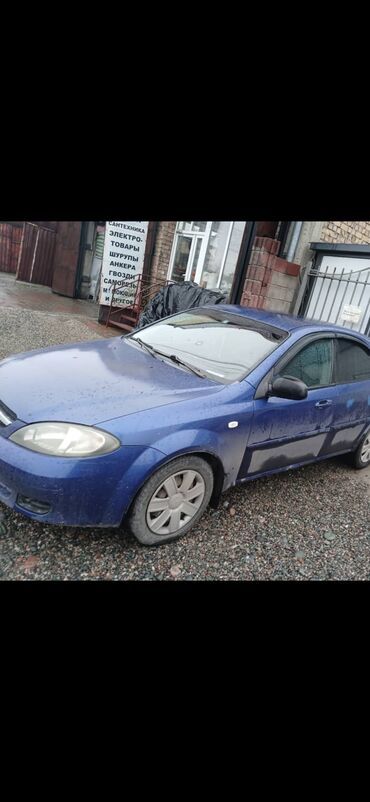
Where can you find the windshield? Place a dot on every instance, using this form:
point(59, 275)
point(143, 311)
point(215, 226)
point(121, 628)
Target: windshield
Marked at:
point(222, 346)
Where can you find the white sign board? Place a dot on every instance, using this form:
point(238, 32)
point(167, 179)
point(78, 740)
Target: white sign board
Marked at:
point(351, 313)
point(123, 259)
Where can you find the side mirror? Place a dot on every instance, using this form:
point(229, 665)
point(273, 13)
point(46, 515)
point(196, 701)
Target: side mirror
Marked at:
point(288, 387)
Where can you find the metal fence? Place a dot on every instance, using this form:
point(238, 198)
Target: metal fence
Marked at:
point(10, 243)
point(336, 295)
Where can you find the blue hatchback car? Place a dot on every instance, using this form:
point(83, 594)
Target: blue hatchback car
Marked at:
point(149, 428)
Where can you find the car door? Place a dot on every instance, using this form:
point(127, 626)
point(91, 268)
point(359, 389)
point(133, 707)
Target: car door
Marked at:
point(352, 404)
point(285, 432)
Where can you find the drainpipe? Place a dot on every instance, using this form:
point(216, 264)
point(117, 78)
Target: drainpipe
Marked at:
point(294, 241)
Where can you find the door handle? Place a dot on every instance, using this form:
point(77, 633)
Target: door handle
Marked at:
point(325, 403)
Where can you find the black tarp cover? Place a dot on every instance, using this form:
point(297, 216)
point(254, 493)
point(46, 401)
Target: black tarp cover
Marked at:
point(178, 298)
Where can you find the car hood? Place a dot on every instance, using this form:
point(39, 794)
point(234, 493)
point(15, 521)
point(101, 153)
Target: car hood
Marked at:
point(93, 382)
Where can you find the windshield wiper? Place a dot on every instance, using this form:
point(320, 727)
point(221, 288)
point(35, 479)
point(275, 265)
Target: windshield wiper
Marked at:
point(179, 361)
point(154, 351)
point(147, 347)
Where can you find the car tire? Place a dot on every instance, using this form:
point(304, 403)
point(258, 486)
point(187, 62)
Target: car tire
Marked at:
point(361, 457)
point(178, 494)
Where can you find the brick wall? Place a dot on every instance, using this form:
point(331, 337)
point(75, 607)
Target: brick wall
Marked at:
point(162, 251)
point(347, 232)
point(271, 282)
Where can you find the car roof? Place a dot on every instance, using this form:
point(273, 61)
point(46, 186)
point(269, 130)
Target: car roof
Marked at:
point(285, 321)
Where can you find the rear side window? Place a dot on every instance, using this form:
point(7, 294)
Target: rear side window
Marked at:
point(313, 364)
point(353, 362)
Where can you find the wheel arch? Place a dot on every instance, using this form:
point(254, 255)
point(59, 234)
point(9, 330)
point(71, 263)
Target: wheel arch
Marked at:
point(213, 461)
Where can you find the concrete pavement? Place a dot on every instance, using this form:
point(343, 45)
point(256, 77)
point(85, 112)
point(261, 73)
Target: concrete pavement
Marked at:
point(20, 295)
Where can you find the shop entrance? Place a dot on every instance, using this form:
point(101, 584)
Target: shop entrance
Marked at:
point(206, 252)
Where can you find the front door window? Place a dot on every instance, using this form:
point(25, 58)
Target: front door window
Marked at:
point(313, 365)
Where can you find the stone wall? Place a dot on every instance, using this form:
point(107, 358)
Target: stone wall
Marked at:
point(347, 232)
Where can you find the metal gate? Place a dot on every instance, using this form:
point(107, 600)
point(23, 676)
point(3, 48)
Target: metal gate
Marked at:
point(35, 263)
point(10, 243)
point(336, 295)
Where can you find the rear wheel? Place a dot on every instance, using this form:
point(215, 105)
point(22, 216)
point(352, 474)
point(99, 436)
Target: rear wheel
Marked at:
point(361, 457)
point(171, 501)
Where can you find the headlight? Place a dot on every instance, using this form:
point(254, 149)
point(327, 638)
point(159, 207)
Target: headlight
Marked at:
point(65, 439)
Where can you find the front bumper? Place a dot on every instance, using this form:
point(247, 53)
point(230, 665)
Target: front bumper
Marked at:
point(85, 492)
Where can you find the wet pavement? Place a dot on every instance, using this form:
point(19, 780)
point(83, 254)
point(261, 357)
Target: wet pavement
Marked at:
point(34, 297)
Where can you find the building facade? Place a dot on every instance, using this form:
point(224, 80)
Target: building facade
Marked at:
point(67, 255)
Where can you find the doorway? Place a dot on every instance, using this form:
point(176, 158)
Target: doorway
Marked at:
point(206, 252)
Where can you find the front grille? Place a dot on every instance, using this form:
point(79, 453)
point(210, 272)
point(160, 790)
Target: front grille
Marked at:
point(6, 415)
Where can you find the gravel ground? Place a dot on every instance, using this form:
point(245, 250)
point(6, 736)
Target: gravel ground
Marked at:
point(24, 330)
point(309, 524)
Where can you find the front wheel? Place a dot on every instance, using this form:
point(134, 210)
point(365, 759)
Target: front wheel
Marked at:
point(171, 501)
point(361, 457)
